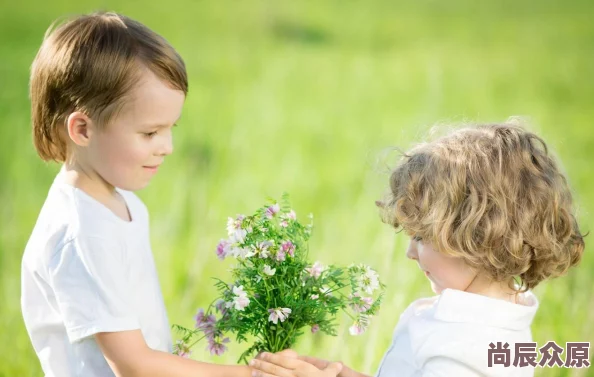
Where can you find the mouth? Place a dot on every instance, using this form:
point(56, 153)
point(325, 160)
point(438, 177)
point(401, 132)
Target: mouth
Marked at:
point(152, 168)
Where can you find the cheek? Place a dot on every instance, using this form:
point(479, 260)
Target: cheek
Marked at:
point(120, 159)
point(126, 153)
point(448, 272)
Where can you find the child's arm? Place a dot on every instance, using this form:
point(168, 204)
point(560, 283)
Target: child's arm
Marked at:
point(275, 365)
point(128, 355)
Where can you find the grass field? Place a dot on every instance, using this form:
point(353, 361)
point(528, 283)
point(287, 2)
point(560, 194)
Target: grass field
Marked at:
point(305, 97)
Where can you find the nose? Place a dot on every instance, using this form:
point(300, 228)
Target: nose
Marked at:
point(411, 251)
point(166, 147)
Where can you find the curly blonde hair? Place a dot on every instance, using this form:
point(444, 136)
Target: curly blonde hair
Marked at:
point(492, 195)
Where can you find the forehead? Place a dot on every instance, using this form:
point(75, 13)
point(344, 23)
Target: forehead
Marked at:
point(152, 102)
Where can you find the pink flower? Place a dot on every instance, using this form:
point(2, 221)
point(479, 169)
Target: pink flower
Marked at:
point(278, 314)
point(217, 347)
point(222, 308)
point(316, 270)
point(284, 224)
point(223, 249)
point(315, 328)
point(199, 317)
point(315, 297)
point(291, 215)
point(182, 349)
point(272, 211)
point(281, 255)
point(207, 324)
point(288, 247)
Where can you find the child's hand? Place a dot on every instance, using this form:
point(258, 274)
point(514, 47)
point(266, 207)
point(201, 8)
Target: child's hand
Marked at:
point(322, 364)
point(275, 365)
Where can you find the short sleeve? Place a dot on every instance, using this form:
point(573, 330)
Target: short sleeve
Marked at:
point(447, 367)
point(88, 276)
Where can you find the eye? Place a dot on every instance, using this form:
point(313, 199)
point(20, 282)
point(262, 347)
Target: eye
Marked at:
point(417, 239)
point(150, 134)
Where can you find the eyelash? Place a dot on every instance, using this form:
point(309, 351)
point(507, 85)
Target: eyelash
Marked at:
point(151, 134)
point(417, 239)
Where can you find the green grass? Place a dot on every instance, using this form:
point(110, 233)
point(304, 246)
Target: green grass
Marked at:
point(303, 97)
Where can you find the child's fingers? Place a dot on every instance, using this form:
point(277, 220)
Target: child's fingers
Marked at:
point(333, 369)
point(318, 363)
point(259, 373)
point(266, 369)
point(280, 360)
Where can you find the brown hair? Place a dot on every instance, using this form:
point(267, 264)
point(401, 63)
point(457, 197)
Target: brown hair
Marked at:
point(493, 195)
point(89, 64)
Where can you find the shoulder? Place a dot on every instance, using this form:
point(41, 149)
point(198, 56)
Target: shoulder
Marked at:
point(56, 225)
point(459, 328)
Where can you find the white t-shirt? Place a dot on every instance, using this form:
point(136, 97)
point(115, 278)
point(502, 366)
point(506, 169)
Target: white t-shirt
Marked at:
point(84, 271)
point(449, 335)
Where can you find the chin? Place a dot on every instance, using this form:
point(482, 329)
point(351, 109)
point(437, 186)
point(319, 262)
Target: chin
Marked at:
point(133, 186)
point(436, 288)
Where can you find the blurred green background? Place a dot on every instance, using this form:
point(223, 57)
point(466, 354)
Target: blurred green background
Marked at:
point(304, 97)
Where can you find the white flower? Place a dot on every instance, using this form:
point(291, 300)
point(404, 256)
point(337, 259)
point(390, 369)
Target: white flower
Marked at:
point(268, 270)
point(325, 290)
point(360, 325)
point(242, 252)
point(239, 235)
point(360, 303)
point(278, 313)
point(230, 225)
point(291, 216)
point(262, 249)
point(235, 229)
point(315, 297)
point(240, 301)
point(233, 224)
point(368, 280)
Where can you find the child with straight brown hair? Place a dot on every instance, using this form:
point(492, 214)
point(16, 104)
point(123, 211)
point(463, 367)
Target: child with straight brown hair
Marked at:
point(105, 94)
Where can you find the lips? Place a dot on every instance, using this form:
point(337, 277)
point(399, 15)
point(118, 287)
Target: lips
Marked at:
point(153, 169)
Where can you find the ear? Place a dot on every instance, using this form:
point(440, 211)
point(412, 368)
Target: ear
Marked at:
point(80, 128)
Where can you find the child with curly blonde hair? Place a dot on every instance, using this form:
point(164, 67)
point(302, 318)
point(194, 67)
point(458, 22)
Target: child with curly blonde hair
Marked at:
point(490, 216)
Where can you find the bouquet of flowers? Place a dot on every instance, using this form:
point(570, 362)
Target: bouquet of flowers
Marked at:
point(276, 292)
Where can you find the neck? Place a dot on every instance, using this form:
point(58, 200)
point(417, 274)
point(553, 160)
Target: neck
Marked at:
point(481, 285)
point(86, 179)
